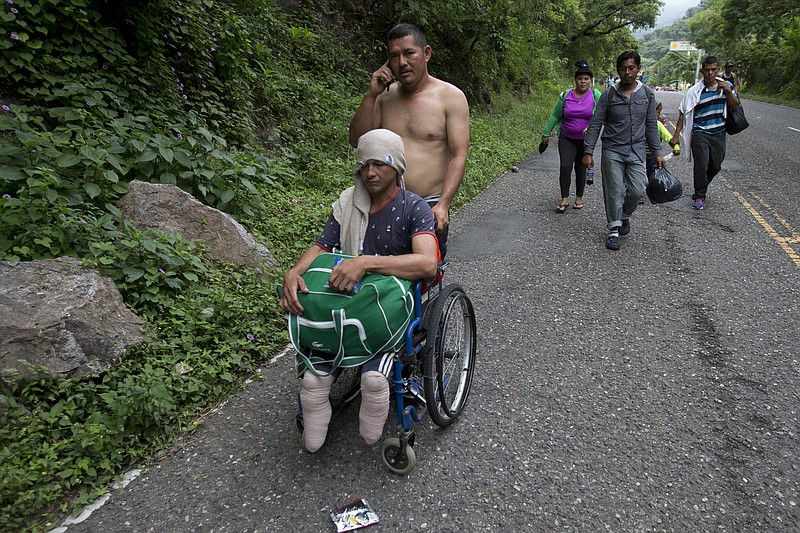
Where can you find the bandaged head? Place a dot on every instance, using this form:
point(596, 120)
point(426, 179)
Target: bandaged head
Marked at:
point(381, 145)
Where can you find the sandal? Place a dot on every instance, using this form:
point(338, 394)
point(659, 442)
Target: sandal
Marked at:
point(560, 208)
point(576, 205)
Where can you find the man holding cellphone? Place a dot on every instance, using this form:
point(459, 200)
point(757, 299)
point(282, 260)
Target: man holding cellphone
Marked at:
point(702, 114)
point(431, 116)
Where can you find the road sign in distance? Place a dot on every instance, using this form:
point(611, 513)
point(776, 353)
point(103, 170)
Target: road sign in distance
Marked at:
point(681, 46)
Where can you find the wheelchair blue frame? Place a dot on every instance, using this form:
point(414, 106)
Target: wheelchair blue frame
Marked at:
point(407, 413)
point(401, 386)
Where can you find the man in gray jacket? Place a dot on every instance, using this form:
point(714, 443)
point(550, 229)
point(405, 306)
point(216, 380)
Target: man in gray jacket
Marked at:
point(627, 109)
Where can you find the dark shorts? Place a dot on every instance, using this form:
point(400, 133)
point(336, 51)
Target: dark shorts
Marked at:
point(382, 363)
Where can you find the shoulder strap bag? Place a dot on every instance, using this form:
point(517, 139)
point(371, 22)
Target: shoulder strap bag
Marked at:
point(735, 122)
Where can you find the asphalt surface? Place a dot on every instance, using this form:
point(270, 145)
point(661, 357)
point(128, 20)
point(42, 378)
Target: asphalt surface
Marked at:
point(650, 389)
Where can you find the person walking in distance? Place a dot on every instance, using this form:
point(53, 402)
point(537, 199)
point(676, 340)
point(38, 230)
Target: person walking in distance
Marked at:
point(570, 116)
point(730, 76)
point(626, 114)
point(701, 126)
point(432, 117)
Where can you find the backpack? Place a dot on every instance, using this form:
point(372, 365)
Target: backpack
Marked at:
point(348, 329)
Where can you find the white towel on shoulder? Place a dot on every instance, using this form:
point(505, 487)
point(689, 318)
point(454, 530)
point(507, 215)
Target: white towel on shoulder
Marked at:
point(687, 108)
point(351, 210)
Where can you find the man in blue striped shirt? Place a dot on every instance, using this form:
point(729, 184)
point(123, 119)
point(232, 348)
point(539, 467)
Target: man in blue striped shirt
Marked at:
point(702, 113)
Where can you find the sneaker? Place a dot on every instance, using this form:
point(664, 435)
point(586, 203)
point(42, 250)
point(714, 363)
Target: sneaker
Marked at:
point(612, 242)
point(626, 227)
point(699, 203)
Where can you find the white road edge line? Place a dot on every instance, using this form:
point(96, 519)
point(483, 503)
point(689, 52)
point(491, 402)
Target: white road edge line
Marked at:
point(89, 509)
point(794, 129)
point(285, 351)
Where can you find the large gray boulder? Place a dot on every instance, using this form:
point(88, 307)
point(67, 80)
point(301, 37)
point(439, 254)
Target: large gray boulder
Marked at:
point(58, 317)
point(169, 209)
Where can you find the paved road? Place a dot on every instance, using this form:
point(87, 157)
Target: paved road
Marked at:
point(650, 389)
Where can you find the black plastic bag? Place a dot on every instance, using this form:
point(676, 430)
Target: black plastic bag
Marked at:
point(663, 187)
point(542, 147)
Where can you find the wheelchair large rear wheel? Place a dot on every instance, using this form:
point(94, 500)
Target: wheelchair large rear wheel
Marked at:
point(449, 361)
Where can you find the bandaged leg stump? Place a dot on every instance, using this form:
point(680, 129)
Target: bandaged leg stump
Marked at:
point(316, 409)
point(374, 406)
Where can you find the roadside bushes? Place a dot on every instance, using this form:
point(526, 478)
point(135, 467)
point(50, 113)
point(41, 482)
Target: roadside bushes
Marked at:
point(92, 97)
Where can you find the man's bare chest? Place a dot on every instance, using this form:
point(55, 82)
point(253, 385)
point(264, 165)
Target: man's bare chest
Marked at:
point(418, 121)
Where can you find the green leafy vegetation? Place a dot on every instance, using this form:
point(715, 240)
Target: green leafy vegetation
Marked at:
point(246, 107)
point(762, 37)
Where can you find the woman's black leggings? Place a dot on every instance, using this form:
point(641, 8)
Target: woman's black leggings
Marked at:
point(571, 153)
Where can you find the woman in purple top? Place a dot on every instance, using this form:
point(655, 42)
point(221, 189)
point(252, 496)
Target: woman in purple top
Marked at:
point(570, 117)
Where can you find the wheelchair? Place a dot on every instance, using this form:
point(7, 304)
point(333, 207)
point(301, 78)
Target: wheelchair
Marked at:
point(432, 375)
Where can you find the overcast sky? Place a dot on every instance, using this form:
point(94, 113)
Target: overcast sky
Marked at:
point(673, 10)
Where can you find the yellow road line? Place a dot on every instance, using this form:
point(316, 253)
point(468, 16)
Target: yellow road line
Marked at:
point(779, 218)
point(783, 242)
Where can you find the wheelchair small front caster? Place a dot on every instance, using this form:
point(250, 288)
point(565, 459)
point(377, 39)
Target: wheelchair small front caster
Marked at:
point(399, 458)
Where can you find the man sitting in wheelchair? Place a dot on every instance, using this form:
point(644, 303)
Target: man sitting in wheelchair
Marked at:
point(390, 231)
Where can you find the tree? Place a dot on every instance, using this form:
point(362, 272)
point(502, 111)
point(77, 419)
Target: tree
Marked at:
point(760, 35)
point(602, 17)
point(655, 45)
point(675, 66)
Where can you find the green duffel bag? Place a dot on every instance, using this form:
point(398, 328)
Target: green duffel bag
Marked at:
point(348, 329)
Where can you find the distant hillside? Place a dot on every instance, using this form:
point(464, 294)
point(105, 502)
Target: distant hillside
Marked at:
point(655, 44)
